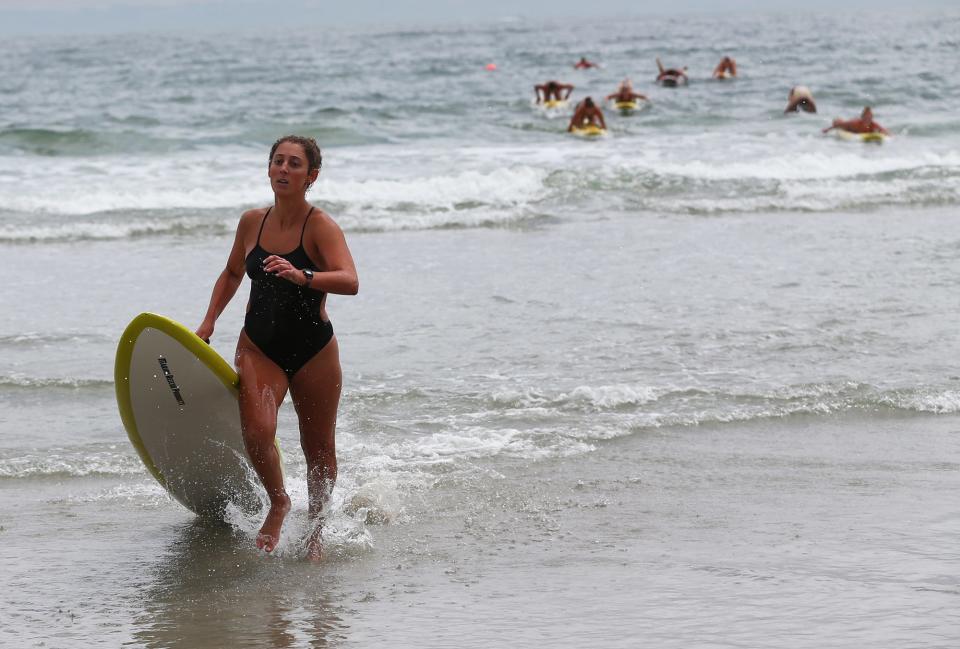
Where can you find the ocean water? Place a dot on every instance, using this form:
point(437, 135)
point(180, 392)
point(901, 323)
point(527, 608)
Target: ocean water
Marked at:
point(694, 384)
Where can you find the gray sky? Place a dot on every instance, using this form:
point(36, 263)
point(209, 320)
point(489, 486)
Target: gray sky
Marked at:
point(108, 16)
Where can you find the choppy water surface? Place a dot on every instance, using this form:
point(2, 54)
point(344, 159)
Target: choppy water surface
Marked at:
point(693, 384)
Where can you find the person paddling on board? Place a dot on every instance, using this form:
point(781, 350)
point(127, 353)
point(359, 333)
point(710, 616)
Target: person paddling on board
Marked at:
point(584, 64)
point(726, 68)
point(800, 98)
point(625, 93)
point(552, 91)
point(287, 342)
point(671, 74)
point(864, 124)
point(587, 113)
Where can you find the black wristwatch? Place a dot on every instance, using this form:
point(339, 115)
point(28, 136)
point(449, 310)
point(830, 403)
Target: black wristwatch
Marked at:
point(309, 275)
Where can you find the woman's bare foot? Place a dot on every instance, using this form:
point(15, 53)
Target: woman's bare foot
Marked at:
point(269, 534)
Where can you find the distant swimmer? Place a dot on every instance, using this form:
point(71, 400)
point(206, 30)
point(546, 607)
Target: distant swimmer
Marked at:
point(552, 91)
point(725, 69)
point(587, 113)
point(625, 92)
point(800, 98)
point(584, 64)
point(671, 76)
point(863, 124)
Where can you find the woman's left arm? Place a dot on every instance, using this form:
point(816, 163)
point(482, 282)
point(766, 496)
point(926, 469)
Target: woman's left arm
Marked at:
point(325, 243)
point(340, 274)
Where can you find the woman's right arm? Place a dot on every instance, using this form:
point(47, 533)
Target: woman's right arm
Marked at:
point(229, 281)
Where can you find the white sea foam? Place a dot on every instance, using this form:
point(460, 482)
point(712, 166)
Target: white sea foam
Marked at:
point(145, 493)
point(442, 191)
point(110, 229)
point(373, 220)
point(468, 188)
point(187, 180)
point(539, 423)
point(817, 165)
point(375, 501)
point(601, 397)
point(521, 398)
point(466, 443)
point(36, 339)
point(21, 380)
point(162, 197)
point(71, 463)
point(938, 402)
point(613, 396)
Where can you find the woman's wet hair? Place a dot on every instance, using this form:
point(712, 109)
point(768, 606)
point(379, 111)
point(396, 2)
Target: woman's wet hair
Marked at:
point(310, 148)
point(588, 102)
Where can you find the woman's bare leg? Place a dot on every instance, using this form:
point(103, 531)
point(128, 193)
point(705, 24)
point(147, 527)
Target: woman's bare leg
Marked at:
point(262, 388)
point(316, 395)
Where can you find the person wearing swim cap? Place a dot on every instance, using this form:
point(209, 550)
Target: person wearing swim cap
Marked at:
point(726, 68)
point(552, 91)
point(584, 64)
point(587, 113)
point(677, 76)
point(863, 124)
point(625, 92)
point(800, 98)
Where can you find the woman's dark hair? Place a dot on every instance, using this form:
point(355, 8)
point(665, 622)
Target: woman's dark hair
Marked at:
point(310, 148)
point(588, 102)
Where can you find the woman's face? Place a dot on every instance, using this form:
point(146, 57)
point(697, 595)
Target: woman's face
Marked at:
point(289, 170)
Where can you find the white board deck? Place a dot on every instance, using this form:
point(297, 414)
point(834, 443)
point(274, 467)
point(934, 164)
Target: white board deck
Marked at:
point(178, 402)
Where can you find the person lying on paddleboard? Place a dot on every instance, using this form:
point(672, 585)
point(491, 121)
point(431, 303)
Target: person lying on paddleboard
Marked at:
point(287, 342)
point(864, 124)
point(726, 67)
point(587, 113)
point(680, 76)
point(625, 93)
point(552, 91)
point(584, 64)
point(800, 98)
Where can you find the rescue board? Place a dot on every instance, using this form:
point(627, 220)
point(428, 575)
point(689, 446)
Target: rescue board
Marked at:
point(178, 403)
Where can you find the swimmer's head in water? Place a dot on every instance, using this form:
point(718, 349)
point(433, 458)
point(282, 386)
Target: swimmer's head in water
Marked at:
point(867, 114)
point(552, 85)
point(588, 102)
point(309, 146)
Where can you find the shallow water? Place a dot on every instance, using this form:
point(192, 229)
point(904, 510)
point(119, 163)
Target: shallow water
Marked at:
point(807, 531)
point(673, 482)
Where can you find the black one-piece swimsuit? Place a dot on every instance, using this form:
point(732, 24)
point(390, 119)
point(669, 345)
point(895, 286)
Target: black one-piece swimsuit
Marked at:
point(283, 318)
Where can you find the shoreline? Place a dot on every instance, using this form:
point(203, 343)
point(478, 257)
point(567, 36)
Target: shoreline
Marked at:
point(807, 532)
